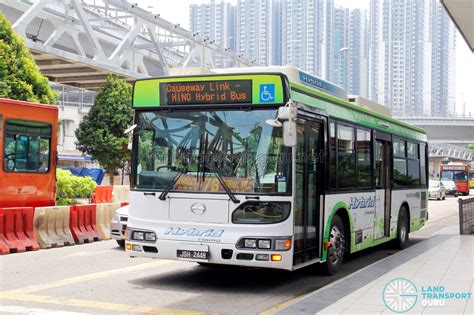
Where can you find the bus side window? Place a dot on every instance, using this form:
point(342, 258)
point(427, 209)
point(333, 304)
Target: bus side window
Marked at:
point(399, 163)
point(21, 153)
point(364, 155)
point(422, 164)
point(43, 155)
point(346, 175)
point(9, 153)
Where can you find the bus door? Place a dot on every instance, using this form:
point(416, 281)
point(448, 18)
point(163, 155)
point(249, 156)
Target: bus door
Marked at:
point(309, 185)
point(383, 185)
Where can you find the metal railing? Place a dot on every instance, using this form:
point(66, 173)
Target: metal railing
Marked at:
point(466, 216)
point(73, 96)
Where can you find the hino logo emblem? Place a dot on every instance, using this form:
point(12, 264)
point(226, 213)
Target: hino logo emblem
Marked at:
point(198, 208)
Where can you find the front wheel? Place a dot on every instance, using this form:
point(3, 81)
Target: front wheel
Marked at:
point(401, 241)
point(337, 248)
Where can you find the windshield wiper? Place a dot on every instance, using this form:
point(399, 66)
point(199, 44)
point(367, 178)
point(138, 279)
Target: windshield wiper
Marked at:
point(171, 185)
point(224, 185)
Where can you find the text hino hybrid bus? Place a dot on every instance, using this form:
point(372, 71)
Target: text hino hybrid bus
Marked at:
point(268, 167)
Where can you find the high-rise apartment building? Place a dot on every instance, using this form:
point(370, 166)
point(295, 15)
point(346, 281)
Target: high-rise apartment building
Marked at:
point(257, 22)
point(358, 53)
point(443, 63)
point(216, 21)
point(406, 48)
point(402, 55)
point(307, 35)
point(326, 41)
point(341, 49)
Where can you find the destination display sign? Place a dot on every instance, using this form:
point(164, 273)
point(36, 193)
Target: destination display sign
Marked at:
point(30, 130)
point(206, 92)
point(454, 167)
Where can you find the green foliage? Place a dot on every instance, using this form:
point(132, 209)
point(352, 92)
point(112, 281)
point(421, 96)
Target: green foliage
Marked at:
point(100, 134)
point(470, 146)
point(70, 187)
point(20, 77)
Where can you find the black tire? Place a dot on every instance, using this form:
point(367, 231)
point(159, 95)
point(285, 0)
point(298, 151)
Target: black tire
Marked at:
point(337, 250)
point(121, 243)
point(444, 197)
point(438, 198)
point(402, 239)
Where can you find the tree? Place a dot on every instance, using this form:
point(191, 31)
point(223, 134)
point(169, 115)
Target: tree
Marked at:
point(20, 77)
point(101, 132)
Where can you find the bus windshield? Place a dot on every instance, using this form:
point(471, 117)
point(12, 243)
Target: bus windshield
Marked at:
point(194, 148)
point(457, 176)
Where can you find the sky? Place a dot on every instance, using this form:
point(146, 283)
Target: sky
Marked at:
point(464, 58)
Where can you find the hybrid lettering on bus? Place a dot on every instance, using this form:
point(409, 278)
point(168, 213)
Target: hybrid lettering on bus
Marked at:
point(268, 167)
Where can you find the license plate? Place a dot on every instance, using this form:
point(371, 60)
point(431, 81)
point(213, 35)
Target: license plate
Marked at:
point(192, 254)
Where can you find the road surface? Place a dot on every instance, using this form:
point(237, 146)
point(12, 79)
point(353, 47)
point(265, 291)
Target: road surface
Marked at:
point(101, 278)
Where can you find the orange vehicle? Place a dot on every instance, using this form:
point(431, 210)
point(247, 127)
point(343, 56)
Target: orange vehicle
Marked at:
point(28, 141)
point(458, 173)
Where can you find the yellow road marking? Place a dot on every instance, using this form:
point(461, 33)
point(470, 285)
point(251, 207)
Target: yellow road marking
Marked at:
point(282, 305)
point(92, 304)
point(91, 276)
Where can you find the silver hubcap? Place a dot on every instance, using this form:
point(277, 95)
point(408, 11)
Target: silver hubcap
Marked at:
point(403, 230)
point(336, 238)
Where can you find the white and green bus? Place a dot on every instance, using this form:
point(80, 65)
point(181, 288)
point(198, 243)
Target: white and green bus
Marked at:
point(268, 167)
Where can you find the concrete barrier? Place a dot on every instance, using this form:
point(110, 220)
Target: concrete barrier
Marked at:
point(51, 226)
point(4, 249)
point(102, 194)
point(105, 213)
point(17, 230)
point(83, 223)
point(120, 193)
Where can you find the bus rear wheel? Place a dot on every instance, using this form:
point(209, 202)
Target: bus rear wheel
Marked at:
point(401, 241)
point(337, 249)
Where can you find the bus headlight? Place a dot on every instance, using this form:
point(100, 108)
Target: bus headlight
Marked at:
point(250, 243)
point(261, 212)
point(143, 236)
point(138, 236)
point(150, 236)
point(264, 244)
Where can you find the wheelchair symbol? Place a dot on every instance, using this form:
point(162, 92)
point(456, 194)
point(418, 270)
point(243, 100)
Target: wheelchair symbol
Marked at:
point(267, 92)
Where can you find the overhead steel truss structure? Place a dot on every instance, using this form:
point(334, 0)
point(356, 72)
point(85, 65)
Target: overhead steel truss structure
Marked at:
point(451, 152)
point(78, 42)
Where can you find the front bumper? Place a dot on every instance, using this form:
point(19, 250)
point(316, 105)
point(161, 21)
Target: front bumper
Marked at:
point(118, 229)
point(167, 249)
point(434, 194)
point(451, 192)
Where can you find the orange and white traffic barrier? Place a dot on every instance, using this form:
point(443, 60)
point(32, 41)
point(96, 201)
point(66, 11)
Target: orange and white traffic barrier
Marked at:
point(105, 213)
point(51, 226)
point(83, 224)
point(120, 193)
point(17, 230)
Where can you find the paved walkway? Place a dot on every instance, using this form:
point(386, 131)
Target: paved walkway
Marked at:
point(442, 263)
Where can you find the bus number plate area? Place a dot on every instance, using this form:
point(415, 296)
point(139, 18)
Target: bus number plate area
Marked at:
point(192, 254)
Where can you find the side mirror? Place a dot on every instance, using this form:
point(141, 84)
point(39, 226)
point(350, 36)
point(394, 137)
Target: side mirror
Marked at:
point(129, 132)
point(289, 133)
